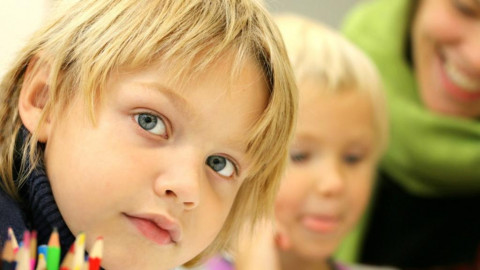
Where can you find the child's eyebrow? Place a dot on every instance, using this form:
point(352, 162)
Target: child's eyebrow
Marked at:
point(177, 101)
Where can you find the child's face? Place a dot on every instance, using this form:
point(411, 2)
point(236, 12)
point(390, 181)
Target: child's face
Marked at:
point(332, 162)
point(158, 174)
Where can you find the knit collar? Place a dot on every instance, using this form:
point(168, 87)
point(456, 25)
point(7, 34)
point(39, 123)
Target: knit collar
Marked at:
point(41, 209)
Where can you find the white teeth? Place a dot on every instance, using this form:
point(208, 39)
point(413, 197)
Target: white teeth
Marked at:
point(460, 79)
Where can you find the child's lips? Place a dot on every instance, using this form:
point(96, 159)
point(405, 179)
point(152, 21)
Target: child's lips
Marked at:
point(160, 229)
point(320, 223)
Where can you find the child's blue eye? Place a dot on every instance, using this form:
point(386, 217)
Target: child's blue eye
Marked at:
point(151, 123)
point(221, 165)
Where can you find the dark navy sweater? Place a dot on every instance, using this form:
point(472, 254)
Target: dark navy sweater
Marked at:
point(36, 211)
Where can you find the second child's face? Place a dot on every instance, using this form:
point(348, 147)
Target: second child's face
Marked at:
point(329, 178)
point(158, 174)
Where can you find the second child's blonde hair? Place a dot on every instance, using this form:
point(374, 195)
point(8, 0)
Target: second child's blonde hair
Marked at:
point(90, 39)
point(320, 53)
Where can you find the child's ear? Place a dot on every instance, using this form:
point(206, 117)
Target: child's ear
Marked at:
point(33, 97)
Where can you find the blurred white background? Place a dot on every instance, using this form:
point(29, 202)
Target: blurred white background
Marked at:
point(19, 18)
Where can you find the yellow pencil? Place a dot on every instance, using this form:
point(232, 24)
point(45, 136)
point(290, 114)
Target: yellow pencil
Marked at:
point(79, 257)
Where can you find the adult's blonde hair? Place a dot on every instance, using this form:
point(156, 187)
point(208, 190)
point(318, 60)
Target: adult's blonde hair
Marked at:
point(90, 39)
point(320, 53)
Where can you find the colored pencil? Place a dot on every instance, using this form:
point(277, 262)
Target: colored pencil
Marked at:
point(22, 258)
point(96, 255)
point(14, 239)
point(53, 251)
point(79, 255)
point(67, 262)
point(23, 255)
point(42, 264)
point(33, 249)
point(8, 255)
point(42, 249)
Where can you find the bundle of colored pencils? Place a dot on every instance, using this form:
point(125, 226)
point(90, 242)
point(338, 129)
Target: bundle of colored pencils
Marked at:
point(24, 256)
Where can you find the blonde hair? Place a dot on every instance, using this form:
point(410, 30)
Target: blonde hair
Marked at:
point(320, 53)
point(90, 39)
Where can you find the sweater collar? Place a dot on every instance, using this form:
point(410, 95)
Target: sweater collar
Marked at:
point(41, 208)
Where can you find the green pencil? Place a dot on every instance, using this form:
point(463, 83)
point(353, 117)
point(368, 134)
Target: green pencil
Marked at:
point(53, 251)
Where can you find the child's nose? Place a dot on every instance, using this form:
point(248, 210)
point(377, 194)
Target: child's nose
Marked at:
point(330, 180)
point(181, 184)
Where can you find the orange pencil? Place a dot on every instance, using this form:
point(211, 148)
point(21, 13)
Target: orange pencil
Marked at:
point(11, 234)
point(33, 249)
point(96, 255)
point(8, 255)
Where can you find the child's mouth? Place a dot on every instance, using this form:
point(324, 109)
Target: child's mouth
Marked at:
point(158, 229)
point(320, 224)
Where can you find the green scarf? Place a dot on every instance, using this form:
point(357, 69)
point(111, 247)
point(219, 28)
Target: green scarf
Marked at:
point(429, 154)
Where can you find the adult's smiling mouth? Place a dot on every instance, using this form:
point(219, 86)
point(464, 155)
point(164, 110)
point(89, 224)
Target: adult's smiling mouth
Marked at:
point(160, 229)
point(457, 83)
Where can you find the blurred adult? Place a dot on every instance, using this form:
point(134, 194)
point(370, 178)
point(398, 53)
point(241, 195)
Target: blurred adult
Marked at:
point(426, 209)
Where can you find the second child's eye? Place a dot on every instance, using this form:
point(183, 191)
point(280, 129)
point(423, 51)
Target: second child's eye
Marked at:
point(352, 159)
point(151, 123)
point(221, 165)
point(299, 157)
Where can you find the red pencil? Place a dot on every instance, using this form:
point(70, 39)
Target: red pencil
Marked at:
point(96, 255)
point(67, 262)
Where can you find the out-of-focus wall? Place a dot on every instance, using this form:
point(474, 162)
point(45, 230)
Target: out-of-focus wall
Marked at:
point(330, 12)
point(18, 20)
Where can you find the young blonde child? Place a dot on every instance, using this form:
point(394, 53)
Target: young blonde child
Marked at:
point(340, 135)
point(160, 125)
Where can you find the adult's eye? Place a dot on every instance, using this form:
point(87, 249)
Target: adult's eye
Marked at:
point(467, 8)
point(151, 123)
point(221, 165)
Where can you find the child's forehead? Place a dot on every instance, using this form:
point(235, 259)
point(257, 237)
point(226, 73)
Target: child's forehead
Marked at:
point(183, 72)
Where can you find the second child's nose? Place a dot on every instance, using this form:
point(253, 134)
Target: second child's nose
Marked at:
point(330, 181)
